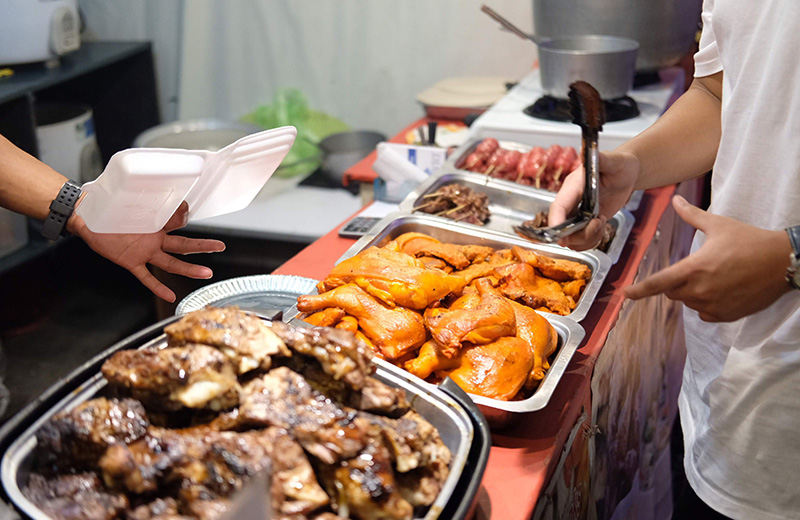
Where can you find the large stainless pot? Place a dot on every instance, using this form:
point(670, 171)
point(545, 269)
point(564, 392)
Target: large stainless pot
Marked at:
point(607, 63)
point(665, 29)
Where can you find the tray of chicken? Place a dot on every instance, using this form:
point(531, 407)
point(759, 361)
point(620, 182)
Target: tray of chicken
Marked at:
point(439, 300)
point(535, 167)
point(175, 420)
point(480, 200)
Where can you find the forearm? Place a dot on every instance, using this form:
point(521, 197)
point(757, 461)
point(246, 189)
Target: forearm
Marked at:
point(27, 185)
point(683, 143)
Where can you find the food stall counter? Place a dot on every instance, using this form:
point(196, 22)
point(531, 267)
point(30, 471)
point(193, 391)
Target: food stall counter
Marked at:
point(525, 456)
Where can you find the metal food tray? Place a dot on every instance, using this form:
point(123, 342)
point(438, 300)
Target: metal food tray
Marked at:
point(446, 410)
point(395, 224)
point(501, 414)
point(456, 160)
point(510, 205)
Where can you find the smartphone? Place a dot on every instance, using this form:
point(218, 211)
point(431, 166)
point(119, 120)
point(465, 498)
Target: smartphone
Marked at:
point(358, 226)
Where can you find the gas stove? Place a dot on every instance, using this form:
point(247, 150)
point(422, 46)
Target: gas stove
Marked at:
point(509, 119)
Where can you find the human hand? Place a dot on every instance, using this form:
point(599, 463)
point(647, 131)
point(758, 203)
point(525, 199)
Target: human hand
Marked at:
point(618, 173)
point(135, 251)
point(738, 271)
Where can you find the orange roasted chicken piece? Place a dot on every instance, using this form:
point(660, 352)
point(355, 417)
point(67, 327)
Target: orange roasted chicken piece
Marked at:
point(472, 318)
point(520, 282)
point(418, 244)
point(497, 370)
point(430, 359)
point(394, 278)
point(557, 269)
point(536, 331)
point(325, 318)
point(394, 331)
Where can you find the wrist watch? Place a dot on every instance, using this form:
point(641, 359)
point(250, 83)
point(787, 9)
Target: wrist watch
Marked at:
point(55, 225)
point(793, 271)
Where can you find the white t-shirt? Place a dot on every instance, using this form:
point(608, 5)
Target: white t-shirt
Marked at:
point(740, 399)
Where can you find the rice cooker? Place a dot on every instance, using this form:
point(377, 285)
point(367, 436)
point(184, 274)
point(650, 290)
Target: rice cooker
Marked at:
point(37, 30)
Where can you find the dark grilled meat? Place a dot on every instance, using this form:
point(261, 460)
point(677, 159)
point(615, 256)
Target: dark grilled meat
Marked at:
point(168, 379)
point(208, 466)
point(76, 439)
point(159, 509)
point(338, 352)
point(458, 202)
point(285, 399)
point(365, 486)
point(246, 339)
point(74, 497)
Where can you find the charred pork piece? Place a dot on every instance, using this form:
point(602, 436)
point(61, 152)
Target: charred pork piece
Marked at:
point(421, 486)
point(246, 339)
point(364, 487)
point(285, 399)
point(74, 497)
point(159, 509)
point(341, 356)
point(413, 442)
point(77, 438)
point(208, 466)
point(376, 397)
point(168, 379)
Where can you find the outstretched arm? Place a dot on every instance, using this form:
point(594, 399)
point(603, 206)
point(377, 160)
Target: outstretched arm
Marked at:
point(28, 186)
point(681, 145)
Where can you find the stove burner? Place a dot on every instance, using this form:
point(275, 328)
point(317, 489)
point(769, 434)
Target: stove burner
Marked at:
point(556, 109)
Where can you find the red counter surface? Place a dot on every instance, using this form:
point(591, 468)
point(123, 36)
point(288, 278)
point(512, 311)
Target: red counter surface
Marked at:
point(524, 456)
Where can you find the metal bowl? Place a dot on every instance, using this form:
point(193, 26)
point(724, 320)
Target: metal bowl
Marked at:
point(343, 150)
point(195, 134)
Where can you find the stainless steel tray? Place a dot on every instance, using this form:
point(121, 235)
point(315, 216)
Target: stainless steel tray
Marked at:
point(510, 204)
point(395, 224)
point(438, 407)
point(499, 413)
point(456, 160)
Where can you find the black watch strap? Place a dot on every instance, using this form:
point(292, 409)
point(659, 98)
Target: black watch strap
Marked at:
point(61, 209)
point(794, 238)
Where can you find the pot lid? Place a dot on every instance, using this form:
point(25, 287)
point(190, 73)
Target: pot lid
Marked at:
point(469, 92)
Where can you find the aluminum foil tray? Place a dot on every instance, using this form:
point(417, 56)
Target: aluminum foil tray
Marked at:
point(395, 224)
point(510, 204)
point(462, 428)
point(265, 294)
point(456, 160)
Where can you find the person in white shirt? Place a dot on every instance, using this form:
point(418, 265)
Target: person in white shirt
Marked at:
point(740, 398)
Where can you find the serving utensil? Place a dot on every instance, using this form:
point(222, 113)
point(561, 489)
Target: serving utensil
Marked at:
point(588, 111)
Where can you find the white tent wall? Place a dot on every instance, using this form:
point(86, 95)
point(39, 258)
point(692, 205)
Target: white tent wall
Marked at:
point(360, 60)
point(159, 21)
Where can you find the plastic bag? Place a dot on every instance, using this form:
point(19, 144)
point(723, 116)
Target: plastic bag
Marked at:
point(290, 107)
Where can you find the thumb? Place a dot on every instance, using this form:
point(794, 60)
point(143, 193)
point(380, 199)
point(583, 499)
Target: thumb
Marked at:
point(692, 215)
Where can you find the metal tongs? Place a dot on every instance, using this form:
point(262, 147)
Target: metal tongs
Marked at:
point(589, 112)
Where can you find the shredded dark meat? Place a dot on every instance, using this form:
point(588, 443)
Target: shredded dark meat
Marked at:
point(457, 202)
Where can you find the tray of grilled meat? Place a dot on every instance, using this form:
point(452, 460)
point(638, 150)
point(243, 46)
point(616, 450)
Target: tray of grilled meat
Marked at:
point(480, 200)
point(510, 162)
point(437, 299)
point(175, 420)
